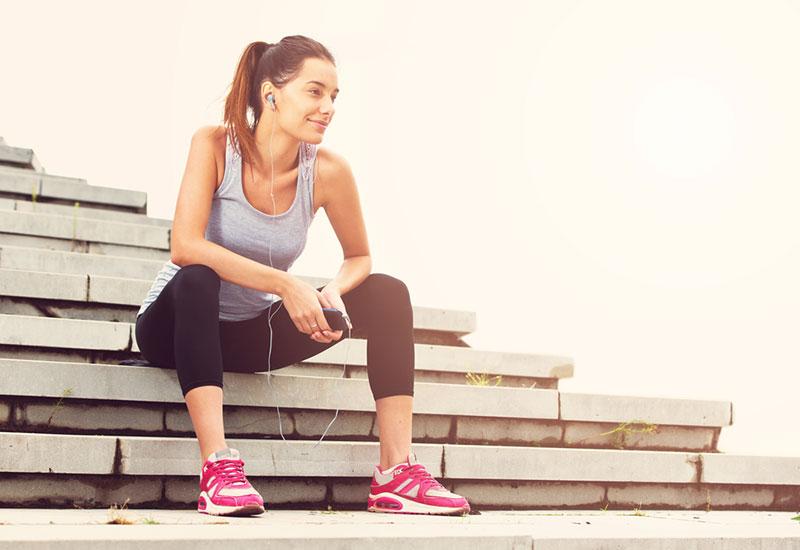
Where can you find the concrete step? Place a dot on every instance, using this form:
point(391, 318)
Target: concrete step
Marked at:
point(81, 211)
point(41, 187)
point(548, 529)
point(72, 285)
point(81, 231)
point(19, 157)
point(86, 470)
point(48, 338)
point(48, 396)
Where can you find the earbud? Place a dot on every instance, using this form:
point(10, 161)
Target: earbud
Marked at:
point(271, 101)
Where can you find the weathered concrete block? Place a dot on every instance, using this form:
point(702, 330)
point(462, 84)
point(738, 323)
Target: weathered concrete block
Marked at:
point(425, 427)
point(78, 263)
point(52, 286)
point(13, 181)
point(128, 251)
point(238, 420)
point(588, 407)
point(83, 491)
point(56, 453)
point(732, 468)
point(44, 354)
point(83, 229)
point(531, 494)
point(347, 423)
point(508, 431)
point(63, 333)
point(787, 497)
point(116, 290)
point(351, 491)
point(691, 497)
point(312, 369)
point(526, 463)
point(638, 436)
point(94, 416)
point(87, 211)
point(64, 189)
point(5, 412)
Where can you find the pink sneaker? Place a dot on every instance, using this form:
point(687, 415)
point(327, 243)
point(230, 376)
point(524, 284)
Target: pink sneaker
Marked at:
point(224, 489)
point(408, 488)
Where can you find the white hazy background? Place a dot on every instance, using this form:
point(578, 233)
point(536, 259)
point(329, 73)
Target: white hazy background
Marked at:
point(613, 181)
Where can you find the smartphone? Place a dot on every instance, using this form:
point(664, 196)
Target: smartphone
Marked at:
point(336, 319)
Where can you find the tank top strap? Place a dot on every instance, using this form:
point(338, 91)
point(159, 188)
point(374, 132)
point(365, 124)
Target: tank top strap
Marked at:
point(308, 153)
point(231, 167)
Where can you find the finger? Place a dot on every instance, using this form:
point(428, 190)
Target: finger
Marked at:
point(305, 325)
point(314, 324)
point(322, 322)
point(323, 300)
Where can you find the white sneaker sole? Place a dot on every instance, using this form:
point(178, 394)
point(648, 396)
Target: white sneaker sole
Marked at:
point(395, 504)
point(220, 510)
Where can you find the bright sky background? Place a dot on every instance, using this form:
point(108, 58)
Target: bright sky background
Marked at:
point(612, 181)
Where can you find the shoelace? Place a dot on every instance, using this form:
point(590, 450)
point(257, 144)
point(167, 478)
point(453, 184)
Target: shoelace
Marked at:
point(426, 480)
point(229, 471)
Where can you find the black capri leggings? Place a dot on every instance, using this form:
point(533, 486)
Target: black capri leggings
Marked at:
point(181, 329)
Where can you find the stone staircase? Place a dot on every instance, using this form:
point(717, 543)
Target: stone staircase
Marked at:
point(80, 429)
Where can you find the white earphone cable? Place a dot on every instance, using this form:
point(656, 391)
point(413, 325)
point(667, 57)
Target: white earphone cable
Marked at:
point(270, 313)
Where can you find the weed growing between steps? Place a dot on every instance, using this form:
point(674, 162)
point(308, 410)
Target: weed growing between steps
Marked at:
point(66, 393)
point(482, 379)
point(624, 429)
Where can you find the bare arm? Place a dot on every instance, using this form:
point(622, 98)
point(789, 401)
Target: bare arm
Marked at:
point(343, 208)
point(188, 244)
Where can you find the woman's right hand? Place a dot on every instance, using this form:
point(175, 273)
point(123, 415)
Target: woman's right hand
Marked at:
point(302, 301)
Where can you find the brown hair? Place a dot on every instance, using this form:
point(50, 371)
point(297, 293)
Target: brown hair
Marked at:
point(279, 63)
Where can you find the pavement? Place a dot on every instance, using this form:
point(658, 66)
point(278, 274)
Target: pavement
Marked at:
point(31, 528)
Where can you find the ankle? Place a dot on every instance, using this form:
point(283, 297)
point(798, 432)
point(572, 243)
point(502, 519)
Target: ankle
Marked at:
point(207, 451)
point(385, 465)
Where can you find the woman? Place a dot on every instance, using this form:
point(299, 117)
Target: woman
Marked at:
point(248, 196)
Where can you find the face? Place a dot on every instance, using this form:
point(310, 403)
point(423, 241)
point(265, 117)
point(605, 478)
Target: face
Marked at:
point(309, 97)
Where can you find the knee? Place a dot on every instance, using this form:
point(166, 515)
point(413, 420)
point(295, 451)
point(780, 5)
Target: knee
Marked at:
point(384, 286)
point(198, 278)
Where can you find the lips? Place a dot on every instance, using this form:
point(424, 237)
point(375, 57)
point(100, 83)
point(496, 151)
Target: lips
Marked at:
point(319, 122)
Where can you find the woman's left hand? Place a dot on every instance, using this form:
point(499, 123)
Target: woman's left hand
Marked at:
point(329, 297)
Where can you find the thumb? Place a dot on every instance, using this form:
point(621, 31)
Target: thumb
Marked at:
point(323, 300)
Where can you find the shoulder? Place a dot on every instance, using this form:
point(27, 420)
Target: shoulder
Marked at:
point(333, 167)
point(212, 138)
point(333, 173)
point(329, 160)
point(213, 134)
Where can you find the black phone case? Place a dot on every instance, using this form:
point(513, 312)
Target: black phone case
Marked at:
point(335, 319)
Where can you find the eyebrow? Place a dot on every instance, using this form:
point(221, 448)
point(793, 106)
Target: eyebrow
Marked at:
point(320, 83)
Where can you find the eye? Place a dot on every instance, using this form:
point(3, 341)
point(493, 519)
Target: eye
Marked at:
point(333, 98)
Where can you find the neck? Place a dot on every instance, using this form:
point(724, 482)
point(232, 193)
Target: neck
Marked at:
point(285, 149)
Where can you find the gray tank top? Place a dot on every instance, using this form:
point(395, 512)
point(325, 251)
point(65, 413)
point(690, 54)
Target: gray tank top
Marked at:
point(237, 225)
